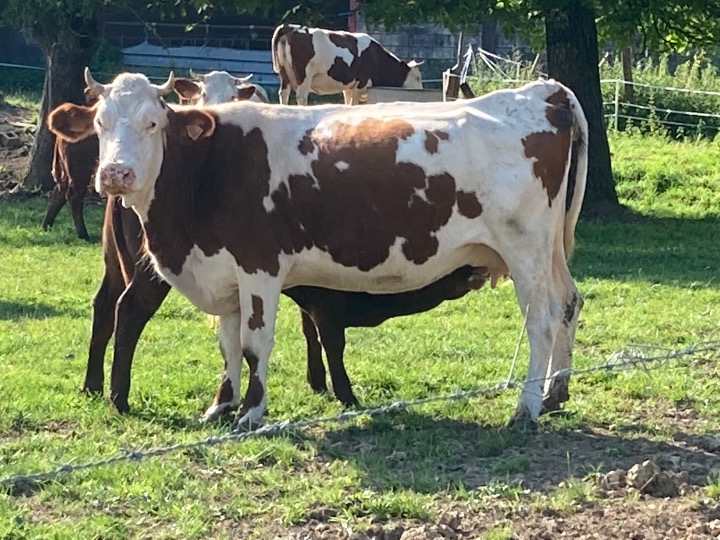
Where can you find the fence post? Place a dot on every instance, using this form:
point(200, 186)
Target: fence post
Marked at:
point(617, 103)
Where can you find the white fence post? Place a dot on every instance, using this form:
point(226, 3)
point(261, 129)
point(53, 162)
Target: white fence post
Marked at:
point(617, 104)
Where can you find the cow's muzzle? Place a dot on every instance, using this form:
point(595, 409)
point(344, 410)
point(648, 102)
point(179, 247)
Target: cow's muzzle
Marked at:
point(116, 178)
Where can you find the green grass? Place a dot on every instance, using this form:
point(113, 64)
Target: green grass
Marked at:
point(652, 279)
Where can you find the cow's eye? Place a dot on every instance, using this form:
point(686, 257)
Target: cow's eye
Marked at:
point(152, 125)
point(100, 125)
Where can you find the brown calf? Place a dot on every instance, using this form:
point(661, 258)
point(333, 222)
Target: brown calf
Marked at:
point(131, 289)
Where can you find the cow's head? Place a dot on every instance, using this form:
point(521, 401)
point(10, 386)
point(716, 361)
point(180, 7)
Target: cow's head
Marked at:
point(414, 77)
point(133, 124)
point(216, 87)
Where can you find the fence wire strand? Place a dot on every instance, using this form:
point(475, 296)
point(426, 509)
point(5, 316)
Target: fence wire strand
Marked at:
point(632, 358)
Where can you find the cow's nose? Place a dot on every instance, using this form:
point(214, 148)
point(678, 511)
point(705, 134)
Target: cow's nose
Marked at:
point(116, 176)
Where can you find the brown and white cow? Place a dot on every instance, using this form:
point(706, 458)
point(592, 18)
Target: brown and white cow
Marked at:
point(240, 201)
point(218, 87)
point(329, 62)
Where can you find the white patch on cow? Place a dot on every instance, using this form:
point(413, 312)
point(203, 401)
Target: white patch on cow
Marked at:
point(342, 165)
point(208, 282)
point(363, 42)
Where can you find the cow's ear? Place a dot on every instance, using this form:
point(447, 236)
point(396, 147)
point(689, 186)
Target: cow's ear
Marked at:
point(191, 125)
point(187, 89)
point(72, 122)
point(245, 92)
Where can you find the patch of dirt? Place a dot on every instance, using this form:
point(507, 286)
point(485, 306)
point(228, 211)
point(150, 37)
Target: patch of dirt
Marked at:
point(16, 130)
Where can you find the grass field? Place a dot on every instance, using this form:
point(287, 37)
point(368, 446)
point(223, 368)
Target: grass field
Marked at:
point(444, 469)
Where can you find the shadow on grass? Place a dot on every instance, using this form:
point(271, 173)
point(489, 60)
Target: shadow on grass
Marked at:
point(412, 451)
point(631, 246)
point(12, 310)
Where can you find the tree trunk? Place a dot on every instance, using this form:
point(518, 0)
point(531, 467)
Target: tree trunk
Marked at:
point(63, 82)
point(572, 57)
point(627, 58)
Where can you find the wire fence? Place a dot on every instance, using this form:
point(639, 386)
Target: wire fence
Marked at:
point(637, 357)
point(661, 115)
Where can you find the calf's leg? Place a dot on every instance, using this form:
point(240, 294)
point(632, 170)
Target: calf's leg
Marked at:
point(332, 335)
point(76, 198)
point(135, 308)
point(55, 204)
point(315, 367)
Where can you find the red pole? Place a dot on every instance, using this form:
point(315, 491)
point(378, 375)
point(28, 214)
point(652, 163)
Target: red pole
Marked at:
point(352, 20)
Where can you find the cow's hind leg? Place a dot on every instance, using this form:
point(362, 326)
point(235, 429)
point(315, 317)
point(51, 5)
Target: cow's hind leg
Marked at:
point(227, 396)
point(315, 367)
point(532, 276)
point(302, 92)
point(556, 388)
point(284, 94)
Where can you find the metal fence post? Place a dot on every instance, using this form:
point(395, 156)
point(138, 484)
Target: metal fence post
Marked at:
point(617, 104)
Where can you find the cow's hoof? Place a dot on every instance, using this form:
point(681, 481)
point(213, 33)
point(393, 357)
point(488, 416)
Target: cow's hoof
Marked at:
point(121, 405)
point(221, 411)
point(522, 422)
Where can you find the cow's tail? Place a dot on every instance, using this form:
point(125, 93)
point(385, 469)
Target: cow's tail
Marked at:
point(280, 31)
point(577, 173)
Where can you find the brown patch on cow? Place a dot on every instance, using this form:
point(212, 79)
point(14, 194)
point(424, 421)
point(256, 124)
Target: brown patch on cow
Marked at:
point(306, 145)
point(468, 204)
point(224, 392)
point(550, 151)
point(432, 139)
point(570, 310)
point(374, 64)
point(345, 41)
point(301, 51)
point(255, 391)
point(256, 320)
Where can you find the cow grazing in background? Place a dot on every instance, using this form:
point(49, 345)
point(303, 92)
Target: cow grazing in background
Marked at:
point(131, 292)
point(218, 87)
point(240, 201)
point(329, 62)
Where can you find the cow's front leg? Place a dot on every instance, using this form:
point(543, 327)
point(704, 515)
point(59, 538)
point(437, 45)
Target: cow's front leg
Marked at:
point(259, 298)
point(227, 397)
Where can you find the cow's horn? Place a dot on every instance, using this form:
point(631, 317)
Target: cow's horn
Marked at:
point(168, 87)
point(196, 76)
point(94, 88)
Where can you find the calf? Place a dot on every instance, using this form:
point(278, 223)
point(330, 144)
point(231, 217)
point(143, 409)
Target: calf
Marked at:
point(329, 62)
point(240, 201)
point(131, 292)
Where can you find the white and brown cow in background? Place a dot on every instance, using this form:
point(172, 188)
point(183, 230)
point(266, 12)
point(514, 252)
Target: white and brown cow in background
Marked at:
point(242, 200)
point(218, 87)
point(329, 62)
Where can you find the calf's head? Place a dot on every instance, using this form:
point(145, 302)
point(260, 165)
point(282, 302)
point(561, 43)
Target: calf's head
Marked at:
point(134, 126)
point(214, 87)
